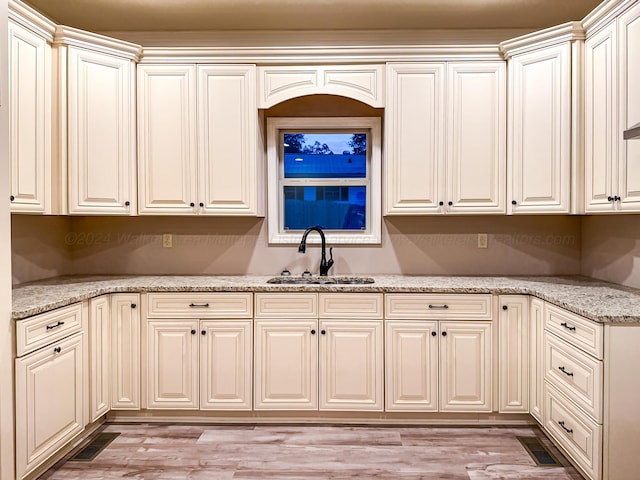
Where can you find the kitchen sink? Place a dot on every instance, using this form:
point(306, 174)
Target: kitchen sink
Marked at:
point(287, 280)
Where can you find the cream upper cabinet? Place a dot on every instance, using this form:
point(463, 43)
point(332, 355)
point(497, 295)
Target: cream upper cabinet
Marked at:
point(513, 354)
point(445, 152)
point(539, 130)
point(101, 133)
point(612, 174)
point(167, 139)
point(30, 119)
point(198, 140)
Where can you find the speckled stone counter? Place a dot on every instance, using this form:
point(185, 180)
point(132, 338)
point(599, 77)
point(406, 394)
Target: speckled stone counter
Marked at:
point(597, 300)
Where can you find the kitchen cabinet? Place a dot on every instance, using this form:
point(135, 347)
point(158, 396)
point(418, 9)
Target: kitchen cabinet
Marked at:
point(32, 180)
point(466, 127)
point(539, 141)
point(125, 351)
point(612, 175)
point(328, 357)
point(198, 140)
point(536, 372)
point(513, 354)
point(50, 385)
point(201, 357)
point(433, 361)
point(99, 357)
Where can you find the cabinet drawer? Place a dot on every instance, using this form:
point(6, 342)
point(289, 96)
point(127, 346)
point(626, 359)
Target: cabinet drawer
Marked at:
point(350, 305)
point(41, 330)
point(450, 306)
point(199, 305)
point(287, 305)
point(578, 434)
point(574, 373)
point(576, 330)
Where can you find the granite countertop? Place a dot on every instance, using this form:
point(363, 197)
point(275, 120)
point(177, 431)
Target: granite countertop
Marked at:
point(594, 299)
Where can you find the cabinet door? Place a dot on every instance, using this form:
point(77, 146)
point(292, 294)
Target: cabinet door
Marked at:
point(167, 139)
point(536, 357)
point(227, 140)
point(465, 366)
point(49, 401)
point(101, 133)
point(225, 365)
point(476, 138)
point(600, 92)
point(99, 357)
point(351, 365)
point(30, 124)
point(286, 365)
point(411, 365)
point(629, 109)
point(513, 366)
point(125, 351)
point(539, 143)
point(172, 364)
point(414, 170)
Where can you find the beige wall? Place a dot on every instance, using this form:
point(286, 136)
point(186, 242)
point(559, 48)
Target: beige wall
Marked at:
point(611, 248)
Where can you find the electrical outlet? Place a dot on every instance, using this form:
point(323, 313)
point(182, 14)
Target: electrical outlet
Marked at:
point(167, 240)
point(482, 240)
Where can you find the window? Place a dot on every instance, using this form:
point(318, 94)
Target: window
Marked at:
point(326, 172)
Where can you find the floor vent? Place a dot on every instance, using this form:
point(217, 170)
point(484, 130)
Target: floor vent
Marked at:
point(91, 450)
point(538, 452)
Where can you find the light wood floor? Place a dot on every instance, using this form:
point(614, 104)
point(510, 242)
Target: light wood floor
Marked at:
point(150, 451)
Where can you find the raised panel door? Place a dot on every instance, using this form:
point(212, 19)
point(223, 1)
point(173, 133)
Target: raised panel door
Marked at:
point(513, 364)
point(167, 164)
point(49, 401)
point(476, 137)
point(629, 109)
point(101, 134)
point(465, 367)
point(125, 351)
point(286, 365)
point(539, 143)
point(30, 120)
point(227, 140)
point(172, 364)
point(99, 357)
point(225, 364)
point(411, 361)
point(351, 365)
point(415, 132)
point(536, 359)
point(600, 92)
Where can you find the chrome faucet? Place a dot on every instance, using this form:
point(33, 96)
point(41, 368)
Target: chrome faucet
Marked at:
point(324, 264)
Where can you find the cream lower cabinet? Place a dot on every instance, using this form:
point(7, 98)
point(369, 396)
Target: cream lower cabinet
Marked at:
point(319, 351)
point(125, 351)
point(536, 372)
point(99, 357)
point(513, 354)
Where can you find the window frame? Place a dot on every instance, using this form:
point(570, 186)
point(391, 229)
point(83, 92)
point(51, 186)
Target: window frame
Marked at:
point(276, 126)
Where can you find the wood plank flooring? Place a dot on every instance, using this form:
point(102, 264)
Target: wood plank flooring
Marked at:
point(172, 452)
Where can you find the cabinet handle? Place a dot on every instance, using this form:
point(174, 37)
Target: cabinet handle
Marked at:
point(441, 203)
point(12, 198)
point(563, 370)
point(616, 198)
point(450, 203)
point(568, 327)
point(610, 198)
point(445, 306)
point(201, 205)
point(55, 325)
point(323, 332)
point(203, 332)
point(192, 204)
point(568, 430)
point(199, 305)
point(313, 332)
point(444, 334)
point(57, 349)
point(504, 307)
point(134, 306)
point(127, 203)
point(193, 332)
point(513, 202)
point(433, 334)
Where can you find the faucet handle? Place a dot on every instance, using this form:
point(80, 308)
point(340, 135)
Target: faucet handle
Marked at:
point(330, 261)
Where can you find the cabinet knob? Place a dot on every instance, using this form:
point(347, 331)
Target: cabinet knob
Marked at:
point(313, 332)
point(192, 204)
point(323, 332)
point(433, 334)
point(616, 198)
point(513, 202)
point(444, 334)
point(441, 203)
point(193, 332)
point(57, 349)
point(504, 307)
point(133, 305)
point(201, 204)
point(12, 198)
point(127, 203)
point(203, 332)
point(450, 203)
point(610, 198)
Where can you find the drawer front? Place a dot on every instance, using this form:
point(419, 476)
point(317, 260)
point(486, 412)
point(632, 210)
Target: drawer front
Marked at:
point(574, 373)
point(351, 305)
point(578, 434)
point(576, 330)
point(36, 332)
point(434, 306)
point(287, 305)
point(199, 305)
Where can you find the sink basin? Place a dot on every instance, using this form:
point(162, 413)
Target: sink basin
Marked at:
point(286, 280)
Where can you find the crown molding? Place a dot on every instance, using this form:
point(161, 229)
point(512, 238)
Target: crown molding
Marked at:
point(31, 19)
point(567, 32)
point(99, 43)
point(604, 13)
